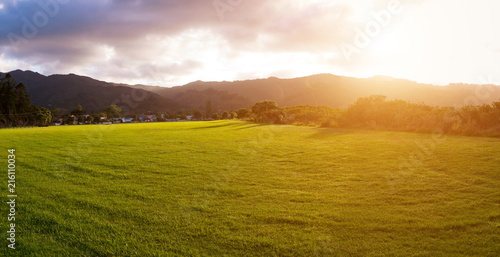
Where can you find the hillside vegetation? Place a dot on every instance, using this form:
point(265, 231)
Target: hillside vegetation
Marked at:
point(330, 90)
point(375, 112)
point(67, 91)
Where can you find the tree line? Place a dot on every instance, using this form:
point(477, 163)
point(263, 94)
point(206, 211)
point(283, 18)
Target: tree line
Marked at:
point(376, 112)
point(373, 112)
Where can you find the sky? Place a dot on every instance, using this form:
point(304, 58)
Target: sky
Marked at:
point(174, 42)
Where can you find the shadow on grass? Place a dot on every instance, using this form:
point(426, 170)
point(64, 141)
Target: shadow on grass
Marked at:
point(234, 125)
point(217, 124)
point(249, 125)
point(322, 133)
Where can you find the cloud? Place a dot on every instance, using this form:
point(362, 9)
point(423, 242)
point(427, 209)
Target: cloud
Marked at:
point(112, 21)
point(183, 40)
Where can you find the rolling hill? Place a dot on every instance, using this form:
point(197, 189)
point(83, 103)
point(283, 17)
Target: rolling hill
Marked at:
point(67, 91)
point(335, 91)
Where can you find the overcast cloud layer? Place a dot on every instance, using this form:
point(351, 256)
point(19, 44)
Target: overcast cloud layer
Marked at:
point(173, 42)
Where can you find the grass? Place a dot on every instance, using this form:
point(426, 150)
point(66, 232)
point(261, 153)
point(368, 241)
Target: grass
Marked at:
point(231, 188)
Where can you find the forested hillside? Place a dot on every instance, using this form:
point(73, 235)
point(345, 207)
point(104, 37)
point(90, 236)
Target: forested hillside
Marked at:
point(67, 91)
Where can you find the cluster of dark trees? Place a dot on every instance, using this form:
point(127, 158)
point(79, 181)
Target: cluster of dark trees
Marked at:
point(375, 112)
point(16, 108)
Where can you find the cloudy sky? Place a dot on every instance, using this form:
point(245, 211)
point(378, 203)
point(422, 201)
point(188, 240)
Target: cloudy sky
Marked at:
point(173, 42)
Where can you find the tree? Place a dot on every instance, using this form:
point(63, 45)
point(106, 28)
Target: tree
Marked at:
point(7, 99)
point(77, 111)
point(112, 111)
point(243, 113)
point(365, 111)
point(89, 119)
point(264, 106)
point(15, 105)
point(98, 118)
point(23, 108)
point(208, 109)
point(23, 103)
point(234, 115)
point(43, 116)
point(216, 116)
point(56, 113)
point(267, 111)
point(183, 117)
point(70, 120)
point(197, 114)
point(225, 115)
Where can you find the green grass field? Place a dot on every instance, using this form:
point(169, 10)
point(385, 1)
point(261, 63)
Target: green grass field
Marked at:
point(230, 188)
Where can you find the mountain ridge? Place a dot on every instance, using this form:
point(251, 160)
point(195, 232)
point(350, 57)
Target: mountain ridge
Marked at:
point(67, 91)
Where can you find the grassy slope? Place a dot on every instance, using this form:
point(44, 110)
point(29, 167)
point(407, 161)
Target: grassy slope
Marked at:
point(235, 188)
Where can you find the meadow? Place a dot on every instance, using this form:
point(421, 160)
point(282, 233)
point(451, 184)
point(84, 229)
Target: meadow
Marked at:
point(232, 188)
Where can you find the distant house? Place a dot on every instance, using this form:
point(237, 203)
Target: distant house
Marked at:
point(84, 118)
point(122, 120)
point(57, 121)
point(147, 118)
